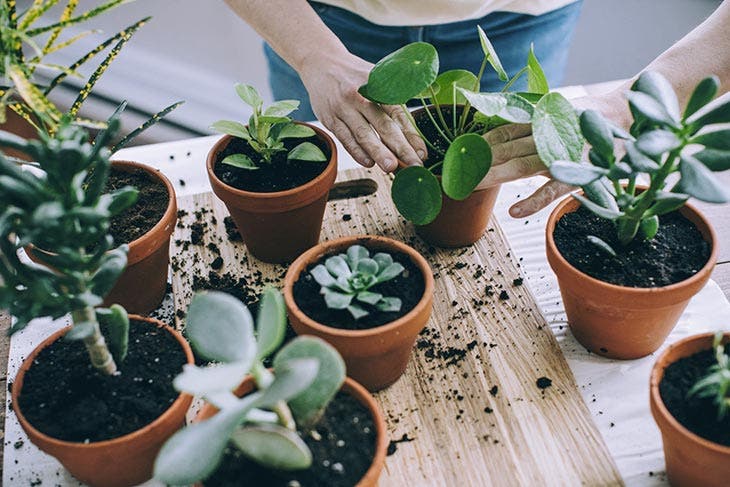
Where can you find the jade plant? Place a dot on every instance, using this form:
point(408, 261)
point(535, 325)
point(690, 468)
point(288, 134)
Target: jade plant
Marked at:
point(675, 152)
point(716, 383)
point(458, 113)
point(267, 425)
point(266, 132)
point(61, 207)
point(349, 277)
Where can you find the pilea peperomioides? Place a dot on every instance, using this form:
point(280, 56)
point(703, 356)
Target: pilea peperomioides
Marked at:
point(266, 424)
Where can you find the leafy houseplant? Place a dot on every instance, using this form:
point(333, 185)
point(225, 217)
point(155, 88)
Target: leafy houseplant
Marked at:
point(61, 206)
point(661, 145)
point(265, 425)
point(688, 398)
point(457, 113)
point(347, 277)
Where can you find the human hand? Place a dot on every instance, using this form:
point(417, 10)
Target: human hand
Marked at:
point(371, 133)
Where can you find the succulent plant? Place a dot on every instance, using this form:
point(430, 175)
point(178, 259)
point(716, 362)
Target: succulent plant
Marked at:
point(267, 129)
point(265, 425)
point(716, 384)
point(348, 277)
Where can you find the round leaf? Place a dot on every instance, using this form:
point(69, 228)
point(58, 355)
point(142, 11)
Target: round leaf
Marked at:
point(597, 132)
point(417, 194)
point(556, 130)
point(447, 83)
point(201, 381)
point(649, 108)
point(306, 151)
point(657, 142)
point(466, 162)
point(270, 323)
point(291, 377)
point(508, 106)
point(273, 446)
point(295, 131)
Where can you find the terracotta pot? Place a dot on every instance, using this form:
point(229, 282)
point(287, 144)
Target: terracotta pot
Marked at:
point(690, 459)
point(143, 284)
point(119, 462)
point(375, 357)
point(15, 124)
point(370, 479)
point(623, 322)
point(276, 227)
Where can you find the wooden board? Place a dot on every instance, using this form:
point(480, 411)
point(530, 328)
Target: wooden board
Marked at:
point(468, 408)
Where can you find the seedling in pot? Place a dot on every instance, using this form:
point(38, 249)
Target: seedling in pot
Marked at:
point(61, 208)
point(716, 384)
point(265, 425)
point(349, 277)
point(676, 152)
point(459, 114)
point(266, 131)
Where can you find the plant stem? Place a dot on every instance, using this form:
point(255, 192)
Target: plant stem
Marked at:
point(263, 378)
point(434, 122)
point(95, 344)
point(412, 120)
point(514, 78)
point(440, 115)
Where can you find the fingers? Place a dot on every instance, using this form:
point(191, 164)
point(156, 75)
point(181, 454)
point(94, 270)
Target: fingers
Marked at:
point(343, 134)
point(391, 134)
point(398, 114)
point(508, 132)
point(504, 152)
point(546, 194)
point(517, 168)
point(362, 138)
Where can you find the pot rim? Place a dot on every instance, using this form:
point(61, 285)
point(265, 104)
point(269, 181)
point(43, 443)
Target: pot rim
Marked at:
point(657, 374)
point(180, 400)
point(325, 248)
point(703, 272)
point(225, 140)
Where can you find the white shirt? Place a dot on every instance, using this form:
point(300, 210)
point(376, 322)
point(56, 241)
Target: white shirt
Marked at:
point(430, 12)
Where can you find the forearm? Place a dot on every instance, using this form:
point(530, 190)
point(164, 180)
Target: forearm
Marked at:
point(291, 27)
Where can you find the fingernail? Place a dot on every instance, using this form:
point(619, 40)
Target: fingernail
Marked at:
point(517, 211)
point(368, 163)
point(388, 164)
point(421, 154)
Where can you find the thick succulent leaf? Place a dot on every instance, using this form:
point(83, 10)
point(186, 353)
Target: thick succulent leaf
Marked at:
point(296, 131)
point(336, 300)
point(717, 139)
point(447, 84)
point(402, 74)
point(657, 142)
point(270, 323)
point(601, 245)
point(466, 162)
point(229, 127)
point(383, 260)
point(620, 170)
point(202, 381)
point(368, 297)
point(597, 132)
point(576, 173)
point(355, 253)
point(367, 266)
point(337, 266)
point(220, 328)
point(703, 94)
point(649, 227)
point(273, 446)
point(249, 95)
point(306, 151)
point(666, 202)
point(111, 266)
point(658, 87)
point(508, 106)
point(116, 323)
point(715, 160)
point(390, 272)
point(417, 194)
point(389, 304)
point(536, 79)
point(241, 161)
point(281, 108)
point(308, 406)
point(650, 108)
point(698, 181)
point(718, 111)
point(491, 55)
point(322, 276)
point(556, 130)
point(607, 213)
point(639, 160)
point(357, 311)
point(291, 377)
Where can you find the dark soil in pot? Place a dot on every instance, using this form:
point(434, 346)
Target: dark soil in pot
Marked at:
point(341, 456)
point(699, 415)
point(409, 286)
point(145, 213)
point(676, 253)
point(279, 175)
point(429, 131)
point(64, 397)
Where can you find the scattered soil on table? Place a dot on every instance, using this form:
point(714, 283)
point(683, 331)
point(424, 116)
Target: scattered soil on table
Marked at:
point(432, 135)
point(64, 397)
point(341, 456)
point(231, 230)
point(279, 175)
point(698, 415)
point(676, 253)
point(145, 213)
point(393, 445)
point(409, 286)
point(543, 383)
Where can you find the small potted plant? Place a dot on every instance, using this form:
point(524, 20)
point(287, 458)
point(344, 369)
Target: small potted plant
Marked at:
point(690, 399)
point(96, 394)
point(274, 175)
point(439, 197)
point(367, 296)
point(296, 424)
point(628, 258)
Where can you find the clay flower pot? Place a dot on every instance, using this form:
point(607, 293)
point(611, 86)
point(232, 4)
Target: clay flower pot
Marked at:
point(119, 462)
point(375, 357)
point(278, 226)
point(690, 459)
point(623, 322)
point(370, 479)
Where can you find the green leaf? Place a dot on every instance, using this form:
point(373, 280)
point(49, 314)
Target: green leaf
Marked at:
point(367, 266)
point(601, 245)
point(402, 75)
point(649, 227)
point(639, 160)
point(249, 95)
point(291, 377)
point(657, 86)
point(657, 142)
point(220, 328)
point(466, 162)
point(337, 266)
point(698, 181)
point(536, 79)
point(509, 106)
point(384, 260)
point(715, 160)
point(491, 55)
point(322, 276)
point(556, 130)
point(117, 201)
point(703, 94)
point(368, 297)
point(447, 84)
point(649, 108)
point(718, 111)
point(270, 323)
point(307, 407)
point(389, 305)
point(111, 266)
point(337, 300)
point(273, 446)
point(355, 253)
point(417, 194)
point(234, 129)
point(281, 108)
point(296, 131)
point(576, 173)
point(666, 202)
point(203, 381)
point(241, 161)
point(116, 322)
point(306, 151)
point(717, 139)
point(357, 312)
point(597, 132)
point(620, 170)
point(609, 214)
point(390, 272)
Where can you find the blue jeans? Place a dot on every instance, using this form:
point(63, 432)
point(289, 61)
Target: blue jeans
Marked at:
point(457, 44)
